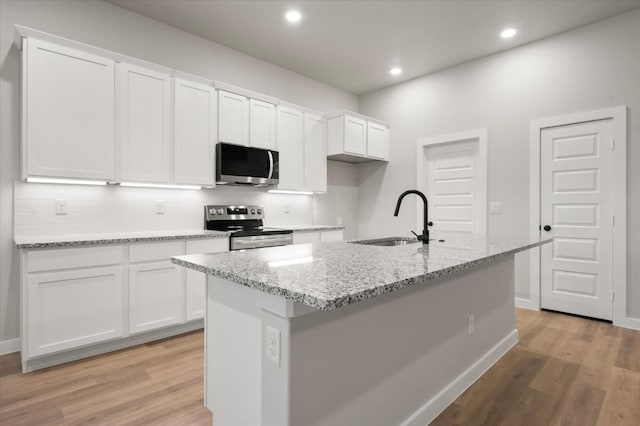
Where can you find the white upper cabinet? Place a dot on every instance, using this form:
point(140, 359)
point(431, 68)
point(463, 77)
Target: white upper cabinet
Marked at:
point(195, 129)
point(356, 138)
point(144, 124)
point(377, 141)
point(68, 113)
point(262, 124)
point(355, 135)
point(233, 118)
point(291, 148)
point(315, 153)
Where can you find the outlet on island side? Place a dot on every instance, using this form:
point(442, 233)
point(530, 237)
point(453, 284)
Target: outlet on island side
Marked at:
point(273, 346)
point(61, 207)
point(470, 324)
point(159, 207)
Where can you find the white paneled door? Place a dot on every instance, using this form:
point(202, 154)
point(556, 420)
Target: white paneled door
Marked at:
point(453, 187)
point(576, 210)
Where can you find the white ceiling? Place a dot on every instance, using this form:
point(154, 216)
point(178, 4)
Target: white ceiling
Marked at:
point(353, 44)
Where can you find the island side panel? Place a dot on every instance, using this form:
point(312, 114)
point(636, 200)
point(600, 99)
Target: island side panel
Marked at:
point(233, 330)
point(400, 358)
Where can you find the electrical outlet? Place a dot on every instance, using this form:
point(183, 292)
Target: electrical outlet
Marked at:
point(495, 207)
point(159, 207)
point(61, 207)
point(273, 346)
point(287, 208)
point(470, 324)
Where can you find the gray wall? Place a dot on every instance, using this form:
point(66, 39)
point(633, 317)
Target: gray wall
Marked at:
point(110, 27)
point(592, 67)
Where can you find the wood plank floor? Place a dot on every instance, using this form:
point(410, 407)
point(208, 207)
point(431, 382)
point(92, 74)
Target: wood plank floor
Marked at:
point(565, 371)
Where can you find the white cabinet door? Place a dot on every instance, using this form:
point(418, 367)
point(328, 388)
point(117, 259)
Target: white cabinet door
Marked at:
point(144, 104)
point(69, 113)
point(156, 296)
point(306, 237)
point(73, 308)
point(355, 135)
point(194, 133)
point(315, 154)
point(233, 118)
point(291, 148)
point(196, 282)
point(262, 124)
point(377, 141)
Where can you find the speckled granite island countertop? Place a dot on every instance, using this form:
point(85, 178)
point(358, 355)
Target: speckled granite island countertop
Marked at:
point(113, 238)
point(331, 275)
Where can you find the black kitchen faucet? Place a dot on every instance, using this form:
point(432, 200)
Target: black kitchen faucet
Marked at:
point(425, 232)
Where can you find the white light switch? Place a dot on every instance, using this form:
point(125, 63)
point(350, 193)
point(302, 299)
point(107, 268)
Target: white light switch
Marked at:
point(495, 207)
point(159, 207)
point(61, 207)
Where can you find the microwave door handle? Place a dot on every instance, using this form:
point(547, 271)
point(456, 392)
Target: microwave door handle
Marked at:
point(270, 164)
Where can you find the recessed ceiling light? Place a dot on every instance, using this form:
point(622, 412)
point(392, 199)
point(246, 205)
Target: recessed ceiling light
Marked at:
point(508, 33)
point(395, 71)
point(293, 16)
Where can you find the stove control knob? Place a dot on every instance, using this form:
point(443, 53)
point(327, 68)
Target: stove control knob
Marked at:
point(253, 211)
point(259, 211)
point(213, 211)
point(220, 211)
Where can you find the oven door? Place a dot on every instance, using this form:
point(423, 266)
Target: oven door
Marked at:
point(259, 241)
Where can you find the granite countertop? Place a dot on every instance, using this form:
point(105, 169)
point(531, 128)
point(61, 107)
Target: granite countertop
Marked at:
point(113, 238)
point(310, 228)
point(331, 275)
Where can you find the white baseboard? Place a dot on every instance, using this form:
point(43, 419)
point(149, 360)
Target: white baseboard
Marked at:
point(436, 405)
point(628, 322)
point(10, 346)
point(526, 304)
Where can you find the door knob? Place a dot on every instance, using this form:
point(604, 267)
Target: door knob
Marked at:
point(547, 228)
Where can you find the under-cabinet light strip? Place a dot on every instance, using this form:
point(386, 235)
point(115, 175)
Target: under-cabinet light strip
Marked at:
point(282, 191)
point(66, 181)
point(158, 185)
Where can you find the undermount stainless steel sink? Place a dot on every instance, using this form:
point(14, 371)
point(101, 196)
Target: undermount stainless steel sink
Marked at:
point(388, 241)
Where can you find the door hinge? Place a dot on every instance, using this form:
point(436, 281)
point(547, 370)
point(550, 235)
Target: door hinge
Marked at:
point(612, 296)
point(613, 144)
point(613, 220)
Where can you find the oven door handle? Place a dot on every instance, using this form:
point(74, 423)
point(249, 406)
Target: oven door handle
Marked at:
point(270, 164)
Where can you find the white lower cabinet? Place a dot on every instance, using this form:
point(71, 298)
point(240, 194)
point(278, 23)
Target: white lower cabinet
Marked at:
point(329, 236)
point(77, 297)
point(73, 308)
point(317, 237)
point(156, 295)
point(196, 282)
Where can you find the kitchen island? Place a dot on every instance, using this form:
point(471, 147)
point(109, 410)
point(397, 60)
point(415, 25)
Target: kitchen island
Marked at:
point(354, 333)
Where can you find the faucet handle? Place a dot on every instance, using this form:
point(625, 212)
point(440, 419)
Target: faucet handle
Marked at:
point(417, 236)
point(429, 223)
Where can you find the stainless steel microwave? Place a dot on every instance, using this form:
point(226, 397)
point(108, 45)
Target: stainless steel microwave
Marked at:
point(243, 165)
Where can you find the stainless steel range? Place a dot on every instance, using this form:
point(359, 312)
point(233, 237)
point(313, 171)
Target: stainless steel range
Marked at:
point(246, 227)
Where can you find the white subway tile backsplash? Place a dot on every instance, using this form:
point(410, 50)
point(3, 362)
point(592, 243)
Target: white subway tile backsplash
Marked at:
point(124, 209)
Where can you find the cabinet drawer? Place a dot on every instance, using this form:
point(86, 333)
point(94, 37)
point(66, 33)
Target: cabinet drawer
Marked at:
point(328, 236)
point(155, 251)
point(81, 257)
point(306, 237)
point(207, 246)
